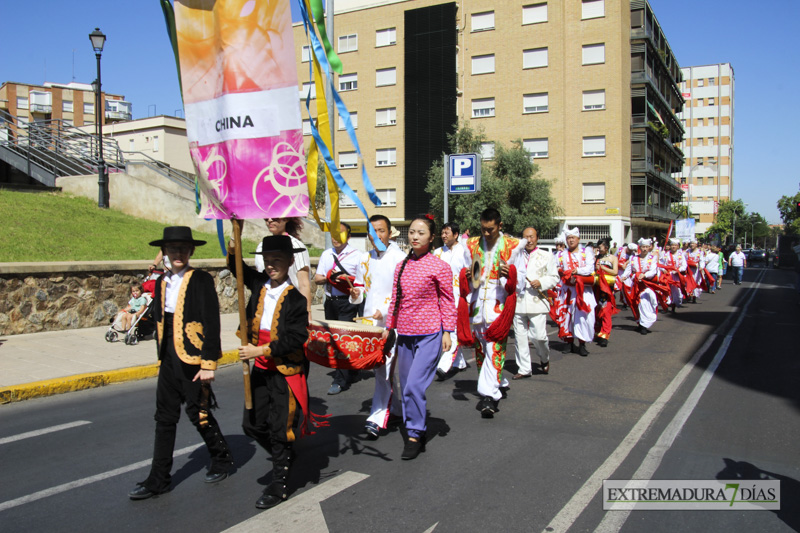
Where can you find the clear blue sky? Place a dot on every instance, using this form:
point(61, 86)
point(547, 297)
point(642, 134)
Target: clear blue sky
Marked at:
point(138, 62)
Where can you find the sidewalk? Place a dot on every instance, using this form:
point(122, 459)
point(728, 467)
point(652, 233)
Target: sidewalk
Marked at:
point(52, 362)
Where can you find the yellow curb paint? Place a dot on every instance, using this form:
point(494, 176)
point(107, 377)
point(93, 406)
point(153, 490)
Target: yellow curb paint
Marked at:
point(50, 387)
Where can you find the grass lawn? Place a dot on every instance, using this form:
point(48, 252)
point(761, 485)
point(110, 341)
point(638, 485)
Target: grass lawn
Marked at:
point(58, 227)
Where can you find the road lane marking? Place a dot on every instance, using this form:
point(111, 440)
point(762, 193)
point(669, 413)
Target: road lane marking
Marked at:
point(581, 499)
point(613, 522)
point(10, 504)
point(301, 513)
point(44, 431)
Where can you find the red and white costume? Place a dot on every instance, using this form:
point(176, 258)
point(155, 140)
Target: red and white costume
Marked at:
point(576, 296)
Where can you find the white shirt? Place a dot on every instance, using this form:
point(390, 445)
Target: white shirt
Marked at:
point(712, 262)
point(737, 259)
point(375, 277)
point(301, 260)
point(348, 257)
point(174, 282)
point(455, 258)
point(270, 301)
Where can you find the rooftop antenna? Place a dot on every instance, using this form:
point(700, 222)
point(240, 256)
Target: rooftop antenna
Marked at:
point(73, 64)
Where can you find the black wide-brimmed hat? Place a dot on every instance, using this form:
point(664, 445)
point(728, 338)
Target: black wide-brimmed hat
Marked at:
point(278, 243)
point(177, 234)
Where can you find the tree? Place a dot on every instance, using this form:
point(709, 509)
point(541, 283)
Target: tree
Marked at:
point(510, 183)
point(727, 212)
point(787, 206)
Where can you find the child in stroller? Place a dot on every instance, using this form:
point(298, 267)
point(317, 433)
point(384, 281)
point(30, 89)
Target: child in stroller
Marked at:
point(135, 320)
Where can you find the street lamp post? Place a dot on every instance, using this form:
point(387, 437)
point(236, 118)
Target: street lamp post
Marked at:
point(98, 40)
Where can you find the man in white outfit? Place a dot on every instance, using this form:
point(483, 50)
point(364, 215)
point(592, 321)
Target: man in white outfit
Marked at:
point(673, 259)
point(576, 296)
point(536, 273)
point(639, 268)
point(453, 254)
point(373, 286)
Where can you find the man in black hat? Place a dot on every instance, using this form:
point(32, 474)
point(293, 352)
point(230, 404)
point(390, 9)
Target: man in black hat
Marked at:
point(188, 339)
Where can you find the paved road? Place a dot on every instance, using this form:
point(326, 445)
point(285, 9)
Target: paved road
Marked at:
point(591, 418)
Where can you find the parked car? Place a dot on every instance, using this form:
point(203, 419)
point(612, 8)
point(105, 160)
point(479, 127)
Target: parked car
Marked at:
point(757, 256)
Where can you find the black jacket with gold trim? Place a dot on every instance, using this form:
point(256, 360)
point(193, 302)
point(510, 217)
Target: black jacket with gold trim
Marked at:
point(289, 329)
point(195, 323)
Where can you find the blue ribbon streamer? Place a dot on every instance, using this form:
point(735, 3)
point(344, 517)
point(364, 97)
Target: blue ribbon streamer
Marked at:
point(323, 148)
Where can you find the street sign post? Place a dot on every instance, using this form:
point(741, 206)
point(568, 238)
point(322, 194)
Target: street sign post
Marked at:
point(462, 175)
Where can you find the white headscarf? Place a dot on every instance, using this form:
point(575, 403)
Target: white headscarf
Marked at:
point(645, 242)
point(574, 232)
point(633, 247)
point(561, 239)
point(674, 241)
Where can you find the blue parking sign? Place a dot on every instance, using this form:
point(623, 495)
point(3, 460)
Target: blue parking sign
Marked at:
point(463, 173)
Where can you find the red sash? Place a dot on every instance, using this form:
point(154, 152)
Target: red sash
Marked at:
point(298, 385)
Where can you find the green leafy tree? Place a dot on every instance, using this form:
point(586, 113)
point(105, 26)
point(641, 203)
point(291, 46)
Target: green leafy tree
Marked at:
point(727, 212)
point(787, 207)
point(510, 183)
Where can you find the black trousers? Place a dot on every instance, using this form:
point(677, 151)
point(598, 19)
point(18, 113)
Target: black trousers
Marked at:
point(175, 387)
point(275, 409)
point(341, 309)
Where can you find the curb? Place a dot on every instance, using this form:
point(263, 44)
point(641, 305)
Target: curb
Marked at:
point(50, 387)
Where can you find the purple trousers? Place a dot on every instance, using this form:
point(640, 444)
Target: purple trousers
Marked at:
point(417, 358)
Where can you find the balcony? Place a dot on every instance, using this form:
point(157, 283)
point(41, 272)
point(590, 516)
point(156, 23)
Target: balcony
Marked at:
point(41, 108)
point(118, 115)
point(641, 210)
point(648, 167)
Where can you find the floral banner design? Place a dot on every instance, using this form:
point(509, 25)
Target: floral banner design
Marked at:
point(239, 78)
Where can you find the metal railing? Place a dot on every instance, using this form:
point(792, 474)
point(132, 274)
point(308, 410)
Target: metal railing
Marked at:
point(642, 210)
point(64, 150)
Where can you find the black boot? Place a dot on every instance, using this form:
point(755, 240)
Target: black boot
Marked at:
point(569, 347)
point(221, 459)
point(276, 492)
point(159, 479)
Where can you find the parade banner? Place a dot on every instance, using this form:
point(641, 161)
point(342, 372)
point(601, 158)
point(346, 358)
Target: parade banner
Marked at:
point(684, 229)
point(239, 78)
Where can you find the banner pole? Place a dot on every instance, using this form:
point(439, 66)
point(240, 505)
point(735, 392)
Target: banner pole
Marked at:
point(237, 241)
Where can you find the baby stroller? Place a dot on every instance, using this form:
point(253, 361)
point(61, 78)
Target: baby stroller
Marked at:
point(143, 325)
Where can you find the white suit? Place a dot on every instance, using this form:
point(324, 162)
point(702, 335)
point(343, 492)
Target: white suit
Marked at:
point(530, 317)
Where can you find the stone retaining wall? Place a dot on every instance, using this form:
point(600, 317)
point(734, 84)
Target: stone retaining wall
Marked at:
point(55, 296)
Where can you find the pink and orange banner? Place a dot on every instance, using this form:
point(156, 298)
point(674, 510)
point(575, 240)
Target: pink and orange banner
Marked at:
point(239, 79)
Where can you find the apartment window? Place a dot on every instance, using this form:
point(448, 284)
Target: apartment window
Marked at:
point(483, 107)
point(712, 101)
point(710, 141)
point(388, 197)
point(88, 108)
point(594, 54)
point(66, 106)
point(308, 87)
point(348, 160)
point(700, 102)
point(386, 37)
point(344, 200)
point(700, 83)
point(592, 9)
point(305, 54)
point(483, 21)
point(594, 100)
point(22, 102)
point(348, 82)
point(386, 116)
point(385, 76)
point(534, 58)
point(348, 43)
point(353, 120)
point(155, 143)
point(307, 126)
point(534, 13)
point(594, 146)
point(637, 149)
point(483, 64)
point(487, 151)
point(710, 121)
point(535, 103)
point(131, 145)
point(711, 82)
point(594, 193)
point(386, 157)
point(538, 148)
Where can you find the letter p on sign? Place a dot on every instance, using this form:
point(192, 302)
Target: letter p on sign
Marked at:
point(461, 164)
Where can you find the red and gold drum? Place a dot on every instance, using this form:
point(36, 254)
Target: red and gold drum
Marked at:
point(337, 344)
